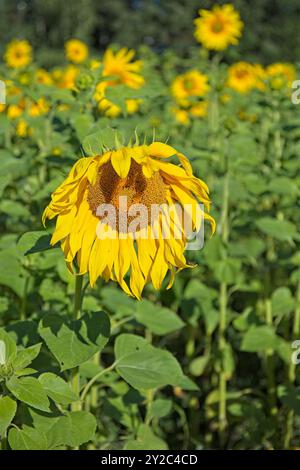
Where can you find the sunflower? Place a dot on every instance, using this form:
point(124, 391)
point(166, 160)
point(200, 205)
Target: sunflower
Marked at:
point(199, 109)
point(219, 28)
point(121, 69)
point(38, 108)
point(76, 51)
point(111, 247)
point(15, 110)
point(189, 84)
point(281, 74)
point(65, 78)
point(110, 109)
point(18, 54)
point(242, 77)
point(22, 129)
point(261, 75)
point(43, 77)
point(181, 116)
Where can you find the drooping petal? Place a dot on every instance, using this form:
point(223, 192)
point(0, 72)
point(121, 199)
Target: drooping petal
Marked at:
point(160, 150)
point(120, 160)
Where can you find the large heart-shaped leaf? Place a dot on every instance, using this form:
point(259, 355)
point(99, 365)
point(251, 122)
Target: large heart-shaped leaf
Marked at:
point(74, 342)
point(143, 366)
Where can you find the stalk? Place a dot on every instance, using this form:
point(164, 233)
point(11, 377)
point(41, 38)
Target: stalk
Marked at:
point(270, 364)
point(223, 299)
point(94, 390)
point(75, 380)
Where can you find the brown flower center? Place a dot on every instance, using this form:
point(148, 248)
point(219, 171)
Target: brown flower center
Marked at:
point(135, 189)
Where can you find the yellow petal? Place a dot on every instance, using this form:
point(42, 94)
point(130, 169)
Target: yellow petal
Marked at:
point(63, 226)
point(185, 163)
point(120, 160)
point(137, 280)
point(88, 239)
point(159, 268)
point(160, 150)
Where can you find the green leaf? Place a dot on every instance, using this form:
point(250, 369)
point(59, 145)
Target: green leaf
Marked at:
point(198, 365)
point(144, 366)
point(245, 320)
point(282, 301)
point(30, 391)
point(283, 185)
point(8, 408)
point(159, 320)
point(51, 291)
point(74, 342)
point(57, 389)
point(73, 429)
point(117, 301)
point(262, 338)
point(187, 384)
point(34, 242)
point(228, 270)
point(82, 124)
point(146, 440)
point(290, 397)
point(27, 439)
point(161, 408)
point(279, 229)
point(259, 338)
point(101, 141)
point(14, 208)
point(26, 356)
point(26, 371)
point(11, 273)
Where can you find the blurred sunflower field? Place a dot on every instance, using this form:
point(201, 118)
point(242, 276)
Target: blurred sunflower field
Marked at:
point(206, 359)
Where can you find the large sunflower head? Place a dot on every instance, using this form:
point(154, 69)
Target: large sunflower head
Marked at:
point(219, 28)
point(119, 215)
point(76, 51)
point(190, 84)
point(122, 69)
point(18, 54)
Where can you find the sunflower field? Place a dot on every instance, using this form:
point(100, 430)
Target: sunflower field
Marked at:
point(137, 343)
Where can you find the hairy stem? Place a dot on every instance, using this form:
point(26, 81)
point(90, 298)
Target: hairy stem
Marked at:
point(223, 298)
point(270, 364)
point(75, 381)
point(94, 379)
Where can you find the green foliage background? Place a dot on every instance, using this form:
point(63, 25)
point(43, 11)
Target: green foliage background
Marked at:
point(271, 34)
point(207, 364)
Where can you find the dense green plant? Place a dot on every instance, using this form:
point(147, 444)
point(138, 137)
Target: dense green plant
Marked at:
point(204, 365)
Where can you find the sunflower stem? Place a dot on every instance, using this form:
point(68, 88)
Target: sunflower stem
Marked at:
point(270, 364)
point(223, 298)
point(75, 380)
